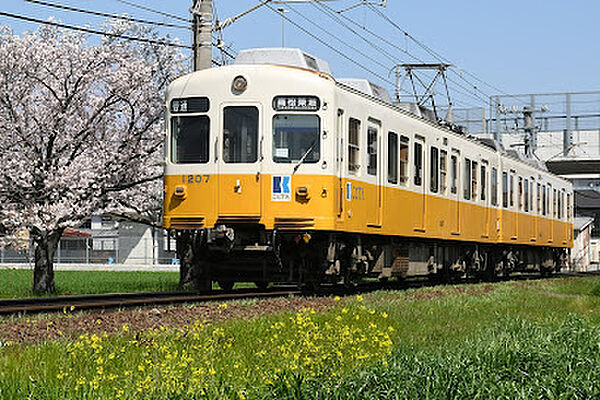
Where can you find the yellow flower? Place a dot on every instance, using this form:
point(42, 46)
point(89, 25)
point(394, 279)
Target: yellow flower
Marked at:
point(359, 298)
point(125, 328)
point(336, 298)
point(384, 314)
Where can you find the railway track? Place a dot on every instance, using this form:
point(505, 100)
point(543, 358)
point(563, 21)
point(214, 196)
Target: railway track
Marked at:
point(118, 300)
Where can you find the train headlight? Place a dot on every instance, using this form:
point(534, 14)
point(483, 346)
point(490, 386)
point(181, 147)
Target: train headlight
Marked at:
point(239, 85)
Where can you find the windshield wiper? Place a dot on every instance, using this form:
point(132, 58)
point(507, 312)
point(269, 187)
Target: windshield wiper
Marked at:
point(312, 146)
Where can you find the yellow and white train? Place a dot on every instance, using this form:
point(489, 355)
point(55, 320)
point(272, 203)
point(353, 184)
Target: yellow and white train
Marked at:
point(277, 171)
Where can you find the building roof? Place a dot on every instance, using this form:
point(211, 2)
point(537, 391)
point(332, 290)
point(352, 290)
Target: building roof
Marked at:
point(582, 222)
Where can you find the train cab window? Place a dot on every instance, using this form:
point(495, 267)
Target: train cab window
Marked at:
point(372, 150)
point(353, 145)
point(483, 182)
point(392, 157)
point(467, 180)
point(434, 170)
point(494, 186)
point(189, 139)
point(404, 145)
point(240, 134)
point(453, 174)
point(296, 138)
point(418, 163)
point(526, 195)
point(474, 181)
point(504, 189)
point(443, 170)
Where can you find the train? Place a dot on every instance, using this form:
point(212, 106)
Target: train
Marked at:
point(276, 171)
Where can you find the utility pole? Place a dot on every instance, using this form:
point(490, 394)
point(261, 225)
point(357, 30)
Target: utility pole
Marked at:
point(202, 33)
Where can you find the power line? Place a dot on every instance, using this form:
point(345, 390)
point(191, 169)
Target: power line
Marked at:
point(101, 14)
point(324, 43)
point(132, 4)
point(93, 31)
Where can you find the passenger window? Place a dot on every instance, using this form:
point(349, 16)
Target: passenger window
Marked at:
point(494, 187)
point(539, 198)
point(511, 190)
point(418, 156)
point(467, 180)
point(554, 201)
point(392, 157)
point(453, 174)
point(520, 198)
point(434, 171)
point(474, 181)
point(483, 182)
point(526, 195)
point(404, 145)
point(504, 189)
point(560, 205)
point(353, 146)
point(372, 150)
point(544, 200)
point(443, 169)
point(531, 202)
point(189, 139)
point(240, 134)
point(569, 209)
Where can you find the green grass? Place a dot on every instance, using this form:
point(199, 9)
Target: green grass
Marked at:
point(16, 283)
point(522, 340)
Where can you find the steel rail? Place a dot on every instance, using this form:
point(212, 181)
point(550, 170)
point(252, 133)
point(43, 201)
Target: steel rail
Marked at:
point(118, 300)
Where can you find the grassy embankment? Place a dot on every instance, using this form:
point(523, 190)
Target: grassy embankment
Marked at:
point(16, 283)
point(508, 340)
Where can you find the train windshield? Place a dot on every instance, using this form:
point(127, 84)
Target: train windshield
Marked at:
point(296, 138)
point(189, 139)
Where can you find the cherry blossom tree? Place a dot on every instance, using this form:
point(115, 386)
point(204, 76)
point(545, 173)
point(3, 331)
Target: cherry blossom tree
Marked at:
point(81, 130)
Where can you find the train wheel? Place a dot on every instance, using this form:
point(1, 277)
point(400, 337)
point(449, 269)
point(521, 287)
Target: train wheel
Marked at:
point(262, 285)
point(226, 284)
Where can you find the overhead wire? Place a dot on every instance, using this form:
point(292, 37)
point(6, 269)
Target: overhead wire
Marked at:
point(324, 43)
point(164, 14)
point(102, 14)
point(92, 31)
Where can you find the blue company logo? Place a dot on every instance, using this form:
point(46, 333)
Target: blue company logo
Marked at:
point(281, 188)
point(348, 191)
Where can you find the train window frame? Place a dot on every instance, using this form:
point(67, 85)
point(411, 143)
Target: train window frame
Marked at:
point(483, 179)
point(372, 143)
point(554, 203)
point(569, 206)
point(526, 195)
point(434, 154)
point(226, 146)
point(354, 128)
point(404, 162)
point(474, 180)
point(205, 155)
point(315, 145)
point(443, 171)
point(520, 194)
point(544, 200)
point(454, 171)
point(539, 198)
point(418, 163)
point(393, 157)
point(504, 189)
point(467, 171)
point(531, 187)
point(494, 186)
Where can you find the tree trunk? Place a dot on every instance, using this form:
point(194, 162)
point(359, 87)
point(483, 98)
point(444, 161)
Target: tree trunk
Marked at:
point(45, 245)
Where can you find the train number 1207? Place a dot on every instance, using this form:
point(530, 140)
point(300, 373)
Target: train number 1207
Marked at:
point(195, 178)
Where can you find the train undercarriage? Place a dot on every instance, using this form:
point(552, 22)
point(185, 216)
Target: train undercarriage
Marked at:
point(249, 253)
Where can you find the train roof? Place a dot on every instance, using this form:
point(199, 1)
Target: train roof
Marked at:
point(283, 56)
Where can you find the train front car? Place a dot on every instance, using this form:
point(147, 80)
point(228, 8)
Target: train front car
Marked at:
point(249, 174)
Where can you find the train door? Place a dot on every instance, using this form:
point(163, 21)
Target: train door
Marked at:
point(419, 183)
point(454, 196)
point(374, 145)
point(239, 164)
point(339, 164)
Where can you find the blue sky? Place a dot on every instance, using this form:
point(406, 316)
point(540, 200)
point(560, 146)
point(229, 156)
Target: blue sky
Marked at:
point(516, 46)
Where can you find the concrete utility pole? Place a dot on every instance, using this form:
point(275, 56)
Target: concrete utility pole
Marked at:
point(202, 33)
